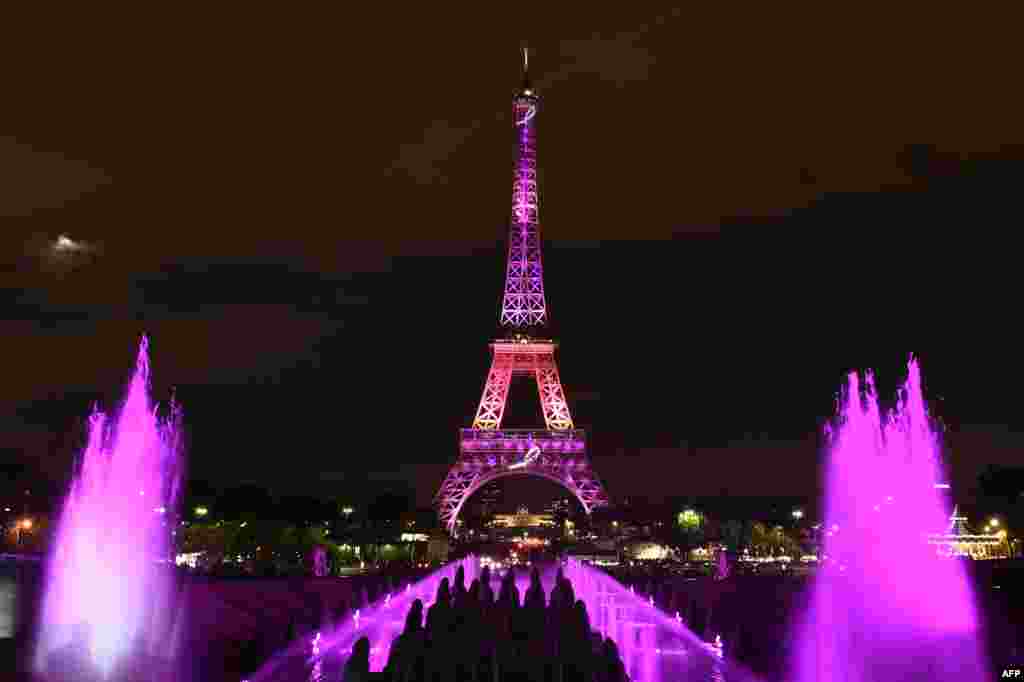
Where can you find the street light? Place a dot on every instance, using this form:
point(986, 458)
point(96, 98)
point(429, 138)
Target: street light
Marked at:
point(689, 518)
point(202, 511)
point(22, 526)
point(994, 522)
point(798, 513)
point(1002, 536)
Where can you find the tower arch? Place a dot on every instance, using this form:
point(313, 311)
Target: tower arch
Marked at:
point(485, 455)
point(484, 479)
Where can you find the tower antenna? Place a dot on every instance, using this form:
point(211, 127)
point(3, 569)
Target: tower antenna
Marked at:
point(526, 70)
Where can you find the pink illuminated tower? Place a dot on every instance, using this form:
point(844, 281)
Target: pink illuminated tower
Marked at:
point(486, 451)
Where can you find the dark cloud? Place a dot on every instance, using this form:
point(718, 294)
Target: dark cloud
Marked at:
point(619, 58)
point(34, 179)
point(425, 161)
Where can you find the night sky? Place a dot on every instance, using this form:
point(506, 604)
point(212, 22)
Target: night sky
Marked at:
point(308, 214)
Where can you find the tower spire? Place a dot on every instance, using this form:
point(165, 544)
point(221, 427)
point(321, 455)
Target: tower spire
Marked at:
point(527, 85)
point(523, 305)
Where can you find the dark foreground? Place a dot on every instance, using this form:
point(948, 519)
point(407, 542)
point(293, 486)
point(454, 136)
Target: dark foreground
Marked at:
point(237, 624)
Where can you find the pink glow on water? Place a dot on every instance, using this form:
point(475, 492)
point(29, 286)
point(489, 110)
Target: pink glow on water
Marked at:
point(885, 606)
point(654, 646)
point(380, 622)
point(109, 585)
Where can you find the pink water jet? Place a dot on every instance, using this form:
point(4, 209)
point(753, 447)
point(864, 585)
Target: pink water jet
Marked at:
point(109, 584)
point(380, 621)
point(655, 646)
point(885, 605)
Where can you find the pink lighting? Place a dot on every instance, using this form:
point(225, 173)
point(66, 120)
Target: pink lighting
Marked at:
point(884, 605)
point(108, 594)
point(523, 307)
point(654, 646)
point(380, 622)
point(523, 303)
point(472, 471)
point(535, 359)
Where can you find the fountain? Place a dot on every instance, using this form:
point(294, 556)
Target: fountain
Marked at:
point(655, 646)
point(109, 588)
point(884, 605)
point(380, 621)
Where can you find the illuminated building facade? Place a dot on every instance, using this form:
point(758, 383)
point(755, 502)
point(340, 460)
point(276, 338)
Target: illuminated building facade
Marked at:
point(522, 518)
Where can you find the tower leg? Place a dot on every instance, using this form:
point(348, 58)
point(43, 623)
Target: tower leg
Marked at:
point(492, 404)
point(552, 398)
point(458, 485)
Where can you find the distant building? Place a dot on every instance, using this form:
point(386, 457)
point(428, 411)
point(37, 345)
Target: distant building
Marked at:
point(561, 505)
point(489, 498)
point(521, 524)
point(522, 518)
point(960, 541)
point(648, 551)
point(595, 556)
point(561, 510)
point(437, 548)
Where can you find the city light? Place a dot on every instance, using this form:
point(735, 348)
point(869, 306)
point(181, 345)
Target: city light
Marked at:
point(347, 511)
point(688, 518)
point(413, 537)
point(202, 511)
point(798, 513)
point(994, 523)
point(26, 523)
point(189, 559)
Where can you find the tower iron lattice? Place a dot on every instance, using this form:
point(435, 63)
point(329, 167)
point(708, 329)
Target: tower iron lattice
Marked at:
point(486, 451)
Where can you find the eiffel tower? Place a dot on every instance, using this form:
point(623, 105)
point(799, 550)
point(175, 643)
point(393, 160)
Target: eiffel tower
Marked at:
point(486, 451)
point(958, 523)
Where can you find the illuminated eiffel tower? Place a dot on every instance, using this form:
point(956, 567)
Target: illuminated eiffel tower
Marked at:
point(958, 523)
point(486, 451)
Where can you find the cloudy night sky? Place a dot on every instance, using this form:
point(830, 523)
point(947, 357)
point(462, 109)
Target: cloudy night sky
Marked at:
point(307, 213)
